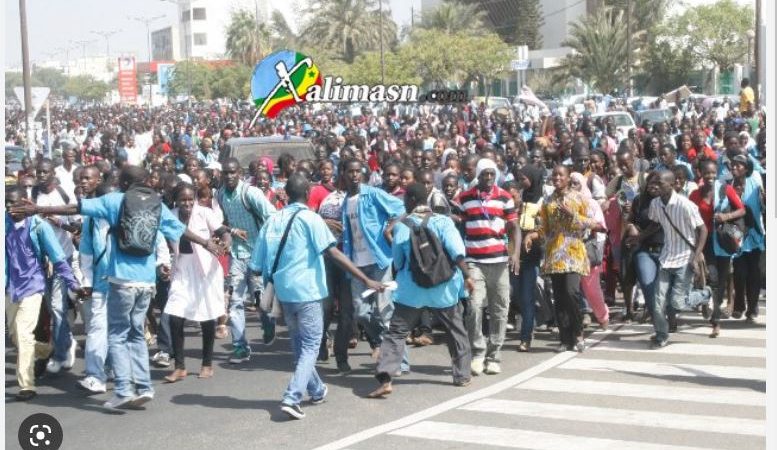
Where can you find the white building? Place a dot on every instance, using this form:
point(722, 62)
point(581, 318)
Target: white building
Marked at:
point(202, 25)
point(100, 67)
point(165, 44)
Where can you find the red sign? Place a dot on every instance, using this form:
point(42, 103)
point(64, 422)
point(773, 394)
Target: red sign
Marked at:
point(128, 80)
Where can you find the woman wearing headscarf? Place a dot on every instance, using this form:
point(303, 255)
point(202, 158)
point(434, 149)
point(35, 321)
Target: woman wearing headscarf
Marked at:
point(591, 283)
point(747, 267)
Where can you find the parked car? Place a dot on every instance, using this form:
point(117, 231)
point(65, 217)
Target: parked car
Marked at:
point(13, 160)
point(622, 121)
point(250, 149)
point(654, 115)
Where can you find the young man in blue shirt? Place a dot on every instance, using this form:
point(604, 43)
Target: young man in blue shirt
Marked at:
point(131, 281)
point(410, 299)
point(27, 242)
point(300, 285)
point(367, 211)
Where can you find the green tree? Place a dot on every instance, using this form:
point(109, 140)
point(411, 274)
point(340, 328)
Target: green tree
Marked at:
point(646, 14)
point(366, 69)
point(191, 77)
point(247, 41)
point(49, 77)
point(349, 27)
point(715, 33)
point(455, 17)
point(527, 25)
point(12, 80)
point(599, 50)
point(86, 87)
point(440, 58)
point(231, 82)
point(664, 68)
point(282, 34)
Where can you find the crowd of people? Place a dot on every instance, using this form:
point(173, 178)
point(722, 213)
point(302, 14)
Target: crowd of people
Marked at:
point(404, 222)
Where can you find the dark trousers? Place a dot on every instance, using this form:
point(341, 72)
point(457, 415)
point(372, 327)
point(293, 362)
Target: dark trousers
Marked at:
point(566, 291)
point(747, 282)
point(719, 268)
point(339, 296)
point(404, 319)
point(208, 337)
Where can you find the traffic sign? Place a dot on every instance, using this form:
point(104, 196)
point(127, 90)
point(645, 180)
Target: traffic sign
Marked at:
point(38, 94)
point(519, 64)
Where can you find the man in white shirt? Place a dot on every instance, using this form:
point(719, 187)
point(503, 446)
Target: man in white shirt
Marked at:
point(64, 172)
point(49, 193)
point(684, 237)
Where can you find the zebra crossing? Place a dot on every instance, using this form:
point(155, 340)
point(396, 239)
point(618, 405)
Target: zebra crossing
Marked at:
point(696, 393)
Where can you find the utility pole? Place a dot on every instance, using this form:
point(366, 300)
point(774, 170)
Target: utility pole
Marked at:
point(382, 62)
point(83, 45)
point(755, 76)
point(629, 89)
point(147, 22)
point(26, 76)
point(107, 36)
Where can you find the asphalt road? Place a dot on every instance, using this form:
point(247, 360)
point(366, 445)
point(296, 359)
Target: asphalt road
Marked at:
point(695, 393)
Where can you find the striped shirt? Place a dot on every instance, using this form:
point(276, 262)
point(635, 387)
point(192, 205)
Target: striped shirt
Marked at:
point(685, 216)
point(485, 216)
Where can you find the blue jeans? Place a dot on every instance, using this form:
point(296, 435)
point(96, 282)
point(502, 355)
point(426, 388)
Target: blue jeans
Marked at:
point(127, 348)
point(523, 286)
point(60, 329)
point(241, 282)
point(305, 322)
point(646, 267)
point(368, 312)
point(96, 323)
point(674, 289)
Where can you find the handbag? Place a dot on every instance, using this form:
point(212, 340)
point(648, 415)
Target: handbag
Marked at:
point(269, 302)
point(528, 217)
point(698, 264)
point(730, 234)
point(594, 251)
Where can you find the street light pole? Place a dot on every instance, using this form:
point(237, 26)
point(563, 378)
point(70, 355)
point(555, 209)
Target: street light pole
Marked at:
point(629, 90)
point(382, 62)
point(147, 22)
point(26, 75)
point(107, 36)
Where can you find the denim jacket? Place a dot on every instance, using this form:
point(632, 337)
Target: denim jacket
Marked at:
point(376, 208)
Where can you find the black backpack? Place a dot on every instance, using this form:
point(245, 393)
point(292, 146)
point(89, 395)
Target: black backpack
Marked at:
point(138, 223)
point(430, 264)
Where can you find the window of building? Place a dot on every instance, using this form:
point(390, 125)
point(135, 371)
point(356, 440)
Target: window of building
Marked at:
point(200, 38)
point(199, 14)
point(185, 16)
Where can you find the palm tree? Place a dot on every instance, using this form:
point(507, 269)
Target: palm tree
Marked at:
point(349, 27)
point(599, 49)
point(247, 40)
point(282, 34)
point(453, 17)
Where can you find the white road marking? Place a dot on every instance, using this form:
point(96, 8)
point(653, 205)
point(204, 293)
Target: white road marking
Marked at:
point(723, 396)
point(667, 369)
point(516, 438)
point(663, 420)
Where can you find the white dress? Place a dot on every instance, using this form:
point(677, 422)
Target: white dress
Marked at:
point(197, 280)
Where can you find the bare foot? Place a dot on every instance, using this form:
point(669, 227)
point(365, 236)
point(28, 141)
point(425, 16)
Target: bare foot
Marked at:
point(381, 392)
point(206, 372)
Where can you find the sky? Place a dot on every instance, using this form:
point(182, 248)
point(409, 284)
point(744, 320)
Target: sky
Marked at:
point(55, 25)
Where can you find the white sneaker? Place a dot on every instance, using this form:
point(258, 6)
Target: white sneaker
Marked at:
point(476, 366)
point(492, 368)
point(92, 385)
point(161, 359)
point(71, 354)
point(142, 399)
point(53, 366)
point(117, 402)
